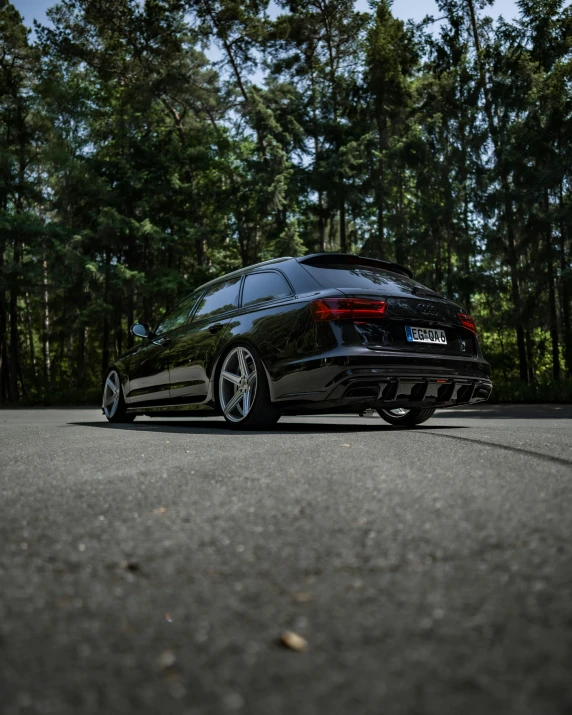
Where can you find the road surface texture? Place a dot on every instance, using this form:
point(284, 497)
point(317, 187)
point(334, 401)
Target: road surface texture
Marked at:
point(149, 569)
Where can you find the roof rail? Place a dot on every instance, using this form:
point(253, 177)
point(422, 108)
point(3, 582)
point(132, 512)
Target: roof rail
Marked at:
point(272, 260)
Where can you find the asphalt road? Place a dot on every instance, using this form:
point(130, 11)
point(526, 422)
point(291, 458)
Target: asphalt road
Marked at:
point(150, 569)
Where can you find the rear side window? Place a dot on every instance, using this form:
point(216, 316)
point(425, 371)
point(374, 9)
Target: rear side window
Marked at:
point(262, 287)
point(178, 315)
point(355, 276)
point(219, 298)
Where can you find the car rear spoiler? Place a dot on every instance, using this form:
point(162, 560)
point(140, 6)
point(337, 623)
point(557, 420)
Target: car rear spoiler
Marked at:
point(324, 259)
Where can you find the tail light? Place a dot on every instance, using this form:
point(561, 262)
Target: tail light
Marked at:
point(468, 322)
point(347, 309)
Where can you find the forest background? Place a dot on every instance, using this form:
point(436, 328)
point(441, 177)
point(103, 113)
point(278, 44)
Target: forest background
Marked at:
point(136, 163)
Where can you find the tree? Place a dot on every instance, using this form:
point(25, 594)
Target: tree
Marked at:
point(391, 57)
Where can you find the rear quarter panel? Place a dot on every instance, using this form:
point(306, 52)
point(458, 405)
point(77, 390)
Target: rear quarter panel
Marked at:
point(281, 333)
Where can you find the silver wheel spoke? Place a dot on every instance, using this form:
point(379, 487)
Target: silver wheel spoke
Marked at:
point(109, 400)
point(231, 377)
point(109, 382)
point(251, 379)
point(233, 402)
point(242, 363)
point(246, 403)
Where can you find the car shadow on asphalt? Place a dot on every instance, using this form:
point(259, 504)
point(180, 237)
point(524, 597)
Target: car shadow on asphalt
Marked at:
point(207, 426)
point(509, 412)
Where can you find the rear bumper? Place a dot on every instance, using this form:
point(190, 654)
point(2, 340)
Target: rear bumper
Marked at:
point(390, 380)
point(412, 390)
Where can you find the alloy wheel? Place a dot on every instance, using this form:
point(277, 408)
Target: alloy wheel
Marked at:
point(398, 412)
point(111, 394)
point(237, 384)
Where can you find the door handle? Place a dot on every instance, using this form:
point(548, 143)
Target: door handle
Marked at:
point(162, 341)
point(215, 328)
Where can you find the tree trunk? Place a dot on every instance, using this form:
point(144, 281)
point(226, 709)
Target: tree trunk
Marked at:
point(22, 383)
point(80, 373)
point(400, 252)
point(105, 333)
point(3, 341)
point(466, 257)
point(46, 327)
point(13, 392)
point(438, 262)
point(69, 355)
point(321, 221)
point(343, 236)
point(30, 336)
point(514, 280)
point(130, 320)
point(529, 347)
point(565, 293)
point(118, 332)
point(200, 251)
point(380, 204)
point(551, 294)
point(4, 365)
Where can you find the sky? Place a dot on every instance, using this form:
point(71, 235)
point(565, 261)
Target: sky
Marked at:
point(405, 9)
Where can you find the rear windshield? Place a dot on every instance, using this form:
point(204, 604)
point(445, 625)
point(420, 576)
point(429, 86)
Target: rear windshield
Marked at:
point(341, 275)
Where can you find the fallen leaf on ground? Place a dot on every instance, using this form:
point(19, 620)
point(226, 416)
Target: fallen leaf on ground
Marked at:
point(346, 445)
point(160, 510)
point(302, 597)
point(293, 641)
point(166, 660)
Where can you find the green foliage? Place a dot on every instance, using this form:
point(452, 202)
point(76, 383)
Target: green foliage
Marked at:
point(134, 167)
point(535, 392)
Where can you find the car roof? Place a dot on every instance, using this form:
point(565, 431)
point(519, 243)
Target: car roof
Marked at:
point(247, 269)
point(316, 259)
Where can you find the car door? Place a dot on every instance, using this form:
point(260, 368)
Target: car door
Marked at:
point(193, 347)
point(149, 365)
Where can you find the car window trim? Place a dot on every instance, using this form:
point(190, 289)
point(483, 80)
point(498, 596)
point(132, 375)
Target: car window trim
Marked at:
point(186, 321)
point(265, 302)
point(195, 308)
point(218, 315)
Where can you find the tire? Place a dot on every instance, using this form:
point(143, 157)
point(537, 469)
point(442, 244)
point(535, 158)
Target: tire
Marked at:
point(242, 383)
point(113, 401)
point(408, 417)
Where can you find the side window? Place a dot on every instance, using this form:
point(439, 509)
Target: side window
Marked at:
point(219, 298)
point(178, 315)
point(261, 287)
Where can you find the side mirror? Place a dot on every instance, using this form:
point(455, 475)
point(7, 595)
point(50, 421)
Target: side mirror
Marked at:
point(140, 330)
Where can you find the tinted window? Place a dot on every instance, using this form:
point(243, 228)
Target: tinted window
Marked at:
point(218, 299)
point(178, 315)
point(260, 287)
point(355, 276)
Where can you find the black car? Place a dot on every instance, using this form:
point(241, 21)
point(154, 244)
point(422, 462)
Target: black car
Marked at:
point(326, 333)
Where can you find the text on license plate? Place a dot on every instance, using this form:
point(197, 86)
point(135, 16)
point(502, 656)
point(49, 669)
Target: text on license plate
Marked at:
point(425, 335)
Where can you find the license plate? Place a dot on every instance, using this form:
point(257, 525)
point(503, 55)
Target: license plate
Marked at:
point(425, 335)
